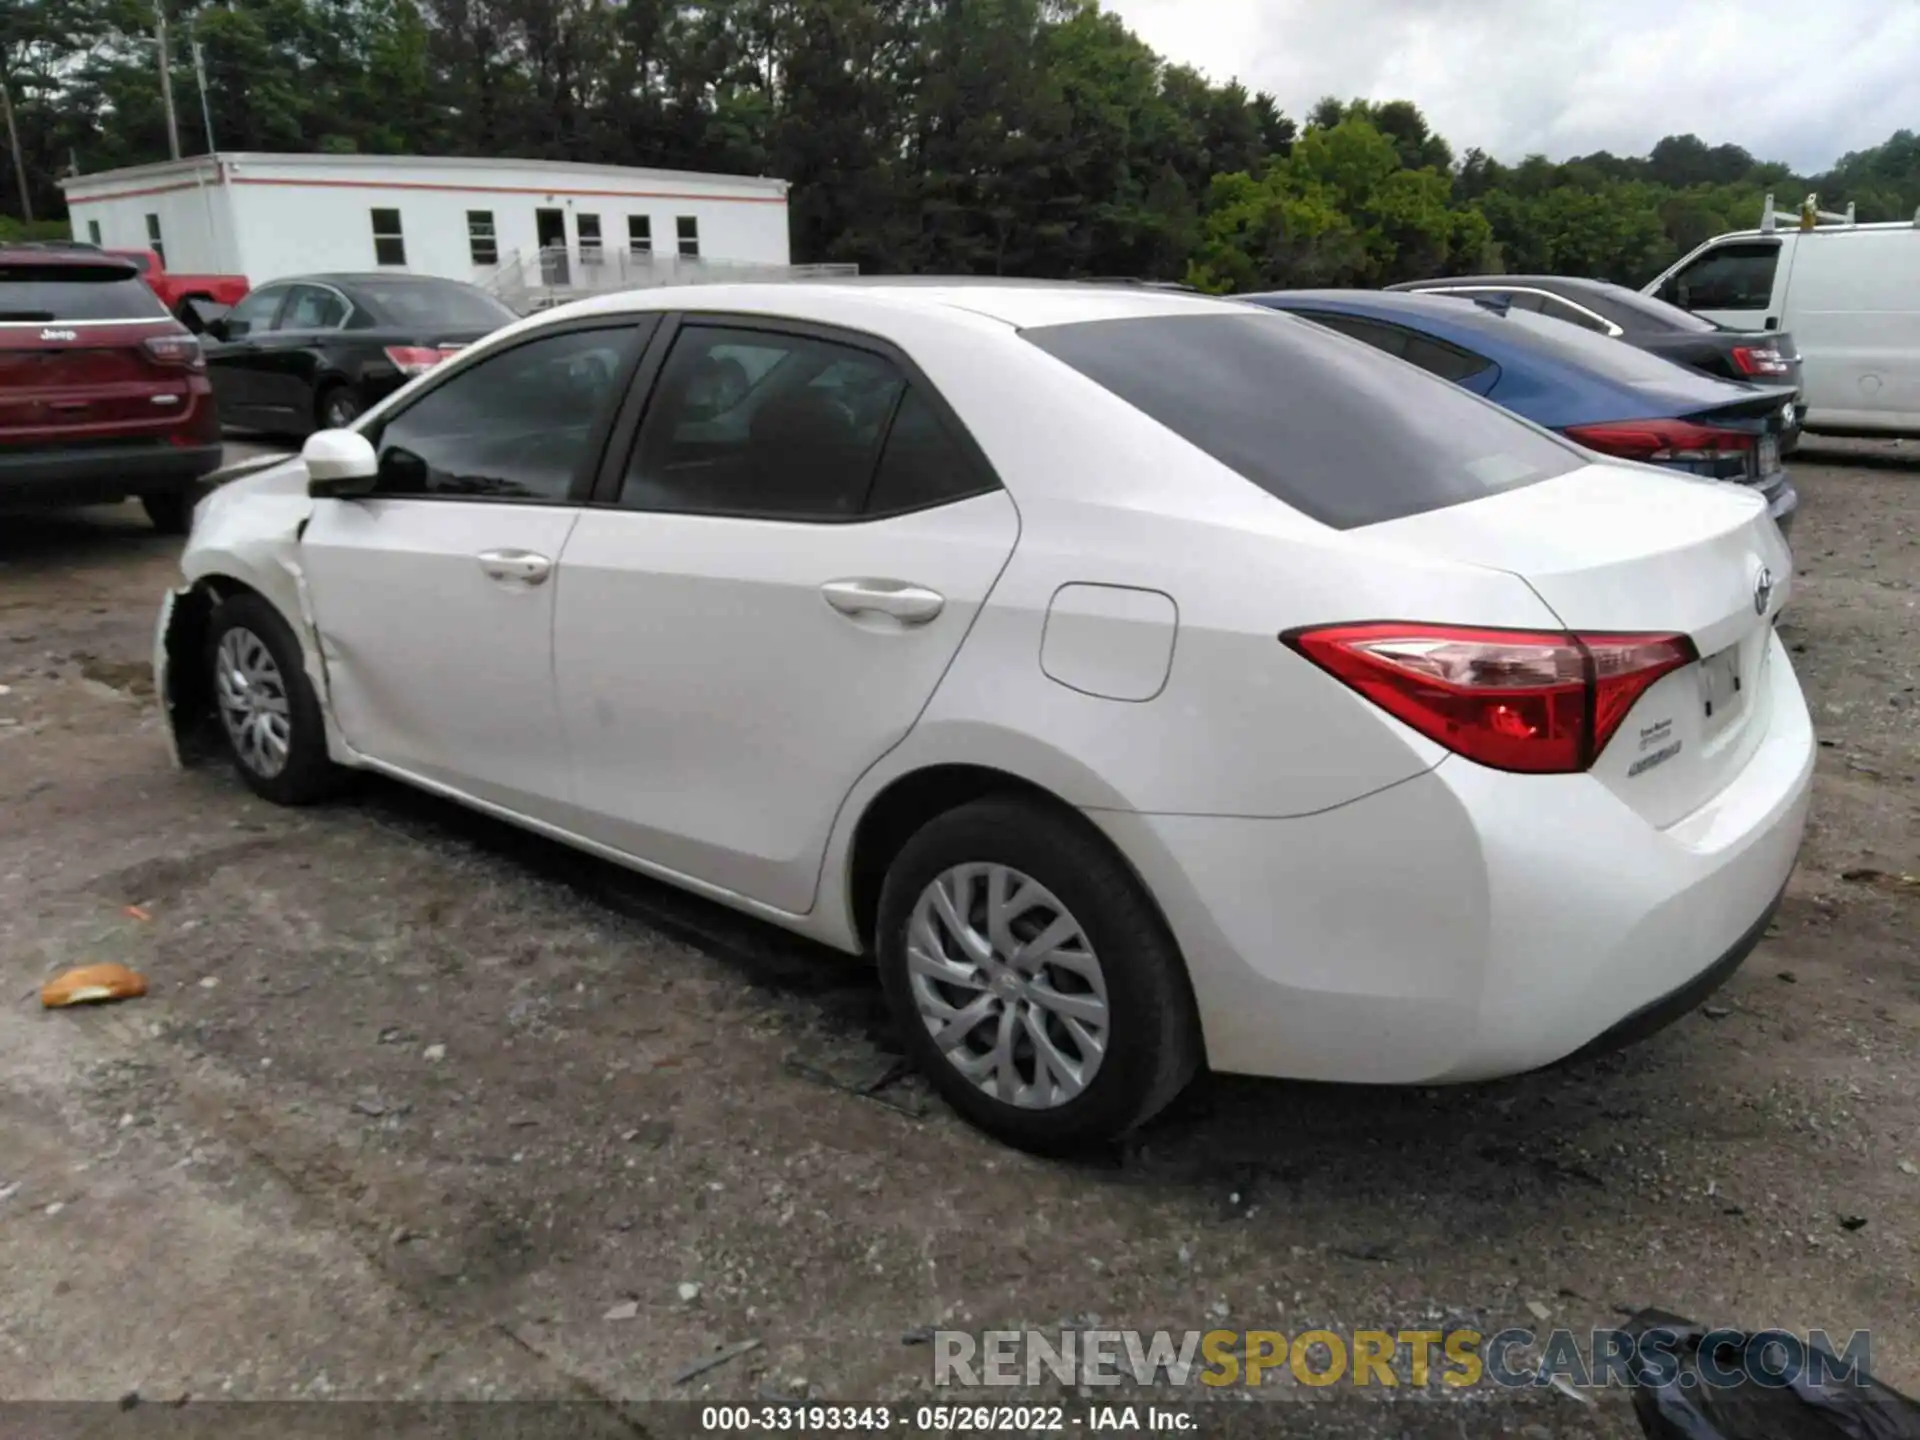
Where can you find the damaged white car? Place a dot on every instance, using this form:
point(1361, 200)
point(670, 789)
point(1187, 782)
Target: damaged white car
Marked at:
point(1147, 681)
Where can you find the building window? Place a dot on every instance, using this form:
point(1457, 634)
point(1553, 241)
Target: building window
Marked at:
point(589, 228)
point(689, 234)
point(154, 242)
point(389, 246)
point(480, 237)
point(93, 231)
point(640, 234)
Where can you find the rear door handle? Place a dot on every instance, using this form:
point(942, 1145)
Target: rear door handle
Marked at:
point(522, 565)
point(909, 604)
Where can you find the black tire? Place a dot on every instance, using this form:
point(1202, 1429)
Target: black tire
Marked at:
point(307, 774)
point(171, 511)
point(1153, 1043)
point(336, 406)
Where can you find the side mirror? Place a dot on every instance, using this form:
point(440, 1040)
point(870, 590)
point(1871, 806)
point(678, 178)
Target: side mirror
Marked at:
point(340, 463)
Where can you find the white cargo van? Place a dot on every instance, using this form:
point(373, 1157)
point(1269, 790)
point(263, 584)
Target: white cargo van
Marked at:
point(1850, 294)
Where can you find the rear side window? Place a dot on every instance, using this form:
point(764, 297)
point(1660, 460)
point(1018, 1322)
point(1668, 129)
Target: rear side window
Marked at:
point(763, 424)
point(923, 463)
point(1434, 356)
point(1573, 315)
point(1648, 313)
point(1313, 418)
point(44, 293)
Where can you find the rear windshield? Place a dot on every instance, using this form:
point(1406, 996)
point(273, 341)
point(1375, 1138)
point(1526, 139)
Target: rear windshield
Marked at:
point(1328, 424)
point(444, 306)
point(1599, 353)
point(43, 293)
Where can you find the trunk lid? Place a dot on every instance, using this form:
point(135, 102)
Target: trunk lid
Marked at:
point(97, 387)
point(74, 369)
point(1618, 548)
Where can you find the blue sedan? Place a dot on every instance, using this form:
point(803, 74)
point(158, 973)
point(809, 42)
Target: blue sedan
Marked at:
point(1606, 396)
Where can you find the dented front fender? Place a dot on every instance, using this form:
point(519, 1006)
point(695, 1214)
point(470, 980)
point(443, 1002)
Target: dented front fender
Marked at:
point(246, 536)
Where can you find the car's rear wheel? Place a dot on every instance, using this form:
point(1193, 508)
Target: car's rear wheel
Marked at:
point(171, 511)
point(1033, 979)
point(269, 715)
point(337, 407)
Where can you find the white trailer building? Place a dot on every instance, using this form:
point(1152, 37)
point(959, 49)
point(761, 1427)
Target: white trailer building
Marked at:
point(514, 225)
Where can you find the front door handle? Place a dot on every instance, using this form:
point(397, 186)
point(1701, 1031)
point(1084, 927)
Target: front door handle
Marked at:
point(522, 565)
point(909, 604)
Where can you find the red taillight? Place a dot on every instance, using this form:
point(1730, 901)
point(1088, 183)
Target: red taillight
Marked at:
point(1759, 360)
point(1536, 701)
point(1663, 441)
point(414, 359)
point(181, 351)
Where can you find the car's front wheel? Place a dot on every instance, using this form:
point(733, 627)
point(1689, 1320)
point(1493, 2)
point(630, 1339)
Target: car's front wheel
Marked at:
point(1034, 981)
point(269, 715)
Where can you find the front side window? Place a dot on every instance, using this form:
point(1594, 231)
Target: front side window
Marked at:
point(518, 425)
point(389, 245)
point(311, 307)
point(1733, 277)
point(1311, 417)
point(255, 313)
point(757, 423)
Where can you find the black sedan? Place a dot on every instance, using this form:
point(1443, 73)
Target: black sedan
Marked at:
point(1759, 357)
point(313, 351)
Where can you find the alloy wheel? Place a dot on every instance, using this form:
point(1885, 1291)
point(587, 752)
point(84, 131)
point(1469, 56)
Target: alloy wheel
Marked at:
point(254, 706)
point(1008, 986)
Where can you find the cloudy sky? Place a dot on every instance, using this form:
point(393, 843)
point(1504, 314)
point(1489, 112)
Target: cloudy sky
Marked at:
point(1796, 80)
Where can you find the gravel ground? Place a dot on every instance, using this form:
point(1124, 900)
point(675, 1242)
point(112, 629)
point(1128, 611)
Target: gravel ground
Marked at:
point(420, 1107)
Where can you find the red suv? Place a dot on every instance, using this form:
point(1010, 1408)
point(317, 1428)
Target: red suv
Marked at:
point(103, 394)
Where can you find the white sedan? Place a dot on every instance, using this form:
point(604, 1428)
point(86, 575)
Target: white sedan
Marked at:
point(1145, 681)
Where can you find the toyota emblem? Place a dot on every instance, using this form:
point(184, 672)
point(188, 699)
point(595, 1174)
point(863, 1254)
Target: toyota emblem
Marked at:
point(1762, 590)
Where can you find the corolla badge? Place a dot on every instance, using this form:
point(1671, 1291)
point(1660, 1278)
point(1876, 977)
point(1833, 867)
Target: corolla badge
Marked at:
point(59, 335)
point(1762, 590)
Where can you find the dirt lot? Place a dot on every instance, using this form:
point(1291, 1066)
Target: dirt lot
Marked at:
point(420, 1107)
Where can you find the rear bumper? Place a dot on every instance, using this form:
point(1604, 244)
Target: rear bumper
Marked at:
point(1467, 924)
point(101, 475)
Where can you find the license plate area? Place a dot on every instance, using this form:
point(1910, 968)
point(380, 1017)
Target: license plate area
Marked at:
point(1769, 454)
point(1722, 688)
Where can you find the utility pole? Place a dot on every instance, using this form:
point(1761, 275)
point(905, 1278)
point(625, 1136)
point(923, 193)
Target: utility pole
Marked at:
point(166, 77)
point(200, 78)
point(19, 165)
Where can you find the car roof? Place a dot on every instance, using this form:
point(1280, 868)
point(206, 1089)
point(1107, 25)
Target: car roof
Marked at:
point(1022, 304)
point(1447, 310)
point(55, 254)
point(1537, 282)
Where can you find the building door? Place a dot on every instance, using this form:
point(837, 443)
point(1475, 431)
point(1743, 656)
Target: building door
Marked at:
point(550, 232)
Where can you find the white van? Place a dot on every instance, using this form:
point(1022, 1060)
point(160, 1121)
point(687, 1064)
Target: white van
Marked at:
point(1850, 295)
